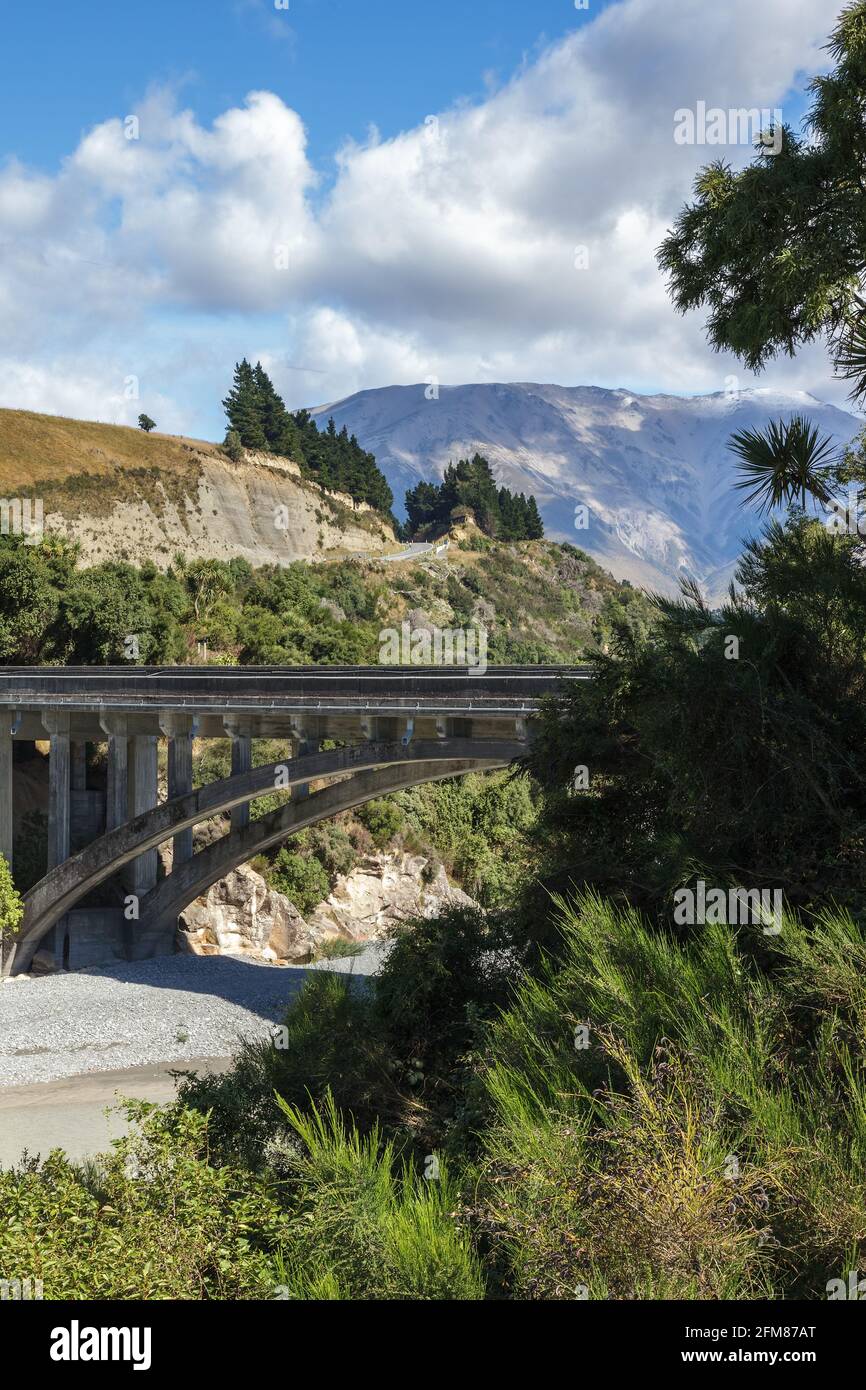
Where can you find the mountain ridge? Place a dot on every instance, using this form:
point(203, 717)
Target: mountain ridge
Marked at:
point(653, 471)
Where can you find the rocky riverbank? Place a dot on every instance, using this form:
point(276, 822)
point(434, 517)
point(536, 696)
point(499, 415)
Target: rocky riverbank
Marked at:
point(242, 916)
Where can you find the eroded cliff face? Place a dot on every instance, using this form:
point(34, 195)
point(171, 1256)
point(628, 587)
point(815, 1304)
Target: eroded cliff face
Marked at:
point(260, 509)
point(241, 915)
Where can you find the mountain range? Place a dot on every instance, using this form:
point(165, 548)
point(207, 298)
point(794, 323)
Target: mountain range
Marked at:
point(645, 484)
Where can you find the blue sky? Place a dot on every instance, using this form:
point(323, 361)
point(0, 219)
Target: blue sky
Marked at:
point(363, 192)
point(342, 64)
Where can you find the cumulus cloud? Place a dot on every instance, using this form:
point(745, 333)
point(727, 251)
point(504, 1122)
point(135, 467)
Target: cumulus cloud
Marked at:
point(510, 239)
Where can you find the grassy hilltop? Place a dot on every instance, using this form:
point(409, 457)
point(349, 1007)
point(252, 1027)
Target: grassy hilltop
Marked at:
point(36, 447)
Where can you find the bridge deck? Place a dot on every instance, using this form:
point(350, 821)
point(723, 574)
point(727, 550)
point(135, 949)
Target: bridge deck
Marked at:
point(348, 689)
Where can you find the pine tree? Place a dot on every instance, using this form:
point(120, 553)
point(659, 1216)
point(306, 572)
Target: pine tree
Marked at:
point(535, 526)
point(233, 446)
point(272, 411)
point(243, 407)
point(470, 483)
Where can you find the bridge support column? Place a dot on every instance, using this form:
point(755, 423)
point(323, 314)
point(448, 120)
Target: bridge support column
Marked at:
point(6, 802)
point(56, 723)
point(6, 797)
point(304, 741)
point(144, 798)
point(177, 728)
point(242, 760)
point(117, 793)
point(78, 766)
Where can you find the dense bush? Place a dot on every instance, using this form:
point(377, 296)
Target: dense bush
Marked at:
point(481, 827)
point(742, 764)
point(332, 847)
point(335, 1216)
point(152, 1220)
point(382, 818)
point(302, 879)
point(641, 1117)
point(707, 1142)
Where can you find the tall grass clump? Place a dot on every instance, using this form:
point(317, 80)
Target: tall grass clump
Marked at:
point(366, 1224)
point(678, 1119)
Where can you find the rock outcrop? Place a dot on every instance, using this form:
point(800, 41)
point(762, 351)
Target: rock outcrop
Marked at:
point(381, 891)
point(241, 915)
point(260, 509)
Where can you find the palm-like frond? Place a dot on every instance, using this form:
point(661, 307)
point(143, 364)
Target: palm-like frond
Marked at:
point(786, 462)
point(849, 361)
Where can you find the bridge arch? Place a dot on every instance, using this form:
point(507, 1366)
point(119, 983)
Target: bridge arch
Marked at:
point(162, 906)
point(374, 768)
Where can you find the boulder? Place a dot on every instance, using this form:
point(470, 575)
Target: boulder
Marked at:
point(334, 608)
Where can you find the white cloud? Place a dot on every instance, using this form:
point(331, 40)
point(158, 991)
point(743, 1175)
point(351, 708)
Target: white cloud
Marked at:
point(61, 389)
point(448, 250)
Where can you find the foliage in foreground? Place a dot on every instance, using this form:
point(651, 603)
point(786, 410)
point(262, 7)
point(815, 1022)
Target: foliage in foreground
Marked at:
point(151, 1220)
point(708, 1141)
point(334, 1217)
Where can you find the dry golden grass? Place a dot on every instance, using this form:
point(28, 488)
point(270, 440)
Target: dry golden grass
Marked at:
point(35, 447)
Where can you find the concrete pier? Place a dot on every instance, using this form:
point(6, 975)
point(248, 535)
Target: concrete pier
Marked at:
point(238, 731)
point(56, 724)
point(6, 789)
point(144, 798)
point(178, 729)
point(117, 791)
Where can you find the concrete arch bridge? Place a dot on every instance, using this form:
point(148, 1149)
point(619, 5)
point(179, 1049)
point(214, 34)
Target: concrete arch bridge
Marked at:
point(395, 727)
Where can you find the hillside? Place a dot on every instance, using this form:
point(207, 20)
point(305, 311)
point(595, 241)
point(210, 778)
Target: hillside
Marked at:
point(654, 472)
point(124, 495)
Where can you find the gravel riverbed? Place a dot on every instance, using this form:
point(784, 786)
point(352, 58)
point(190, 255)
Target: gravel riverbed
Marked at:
point(162, 1010)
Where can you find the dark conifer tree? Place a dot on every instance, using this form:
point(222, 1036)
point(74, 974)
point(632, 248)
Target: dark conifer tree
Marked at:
point(243, 407)
point(335, 460)
point(272, 410)
point(470, 483)
point(534, 524)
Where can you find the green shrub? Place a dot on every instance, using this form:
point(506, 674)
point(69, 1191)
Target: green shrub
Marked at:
point(368, 1226)
point(11, 906)
point(301, 878)
point(332, 847)
point(151, 1220)
point(383, 819)
point(339, 948)
point(707, 1140)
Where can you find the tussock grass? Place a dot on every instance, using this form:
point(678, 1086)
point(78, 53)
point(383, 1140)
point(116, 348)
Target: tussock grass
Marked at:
point(34, 447)
point(708, 1143)
point(369, 1225)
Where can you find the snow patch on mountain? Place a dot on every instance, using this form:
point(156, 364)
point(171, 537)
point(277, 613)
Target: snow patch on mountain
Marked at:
point(654, 472)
